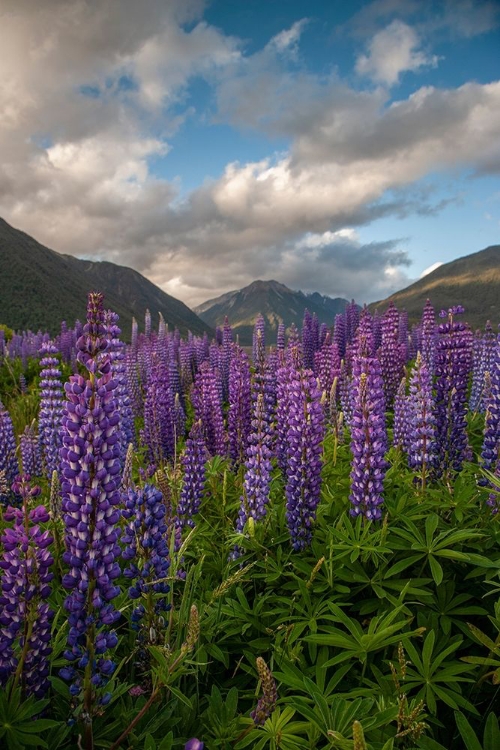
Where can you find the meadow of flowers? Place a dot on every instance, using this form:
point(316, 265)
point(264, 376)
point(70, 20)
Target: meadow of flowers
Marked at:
point(294, 547)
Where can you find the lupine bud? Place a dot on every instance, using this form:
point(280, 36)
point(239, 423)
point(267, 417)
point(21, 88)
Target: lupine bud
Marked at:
point(267, 703)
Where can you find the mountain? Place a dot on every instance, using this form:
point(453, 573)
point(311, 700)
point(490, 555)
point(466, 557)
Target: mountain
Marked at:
point(472, 281)
point(275, 301)
point(39, 288)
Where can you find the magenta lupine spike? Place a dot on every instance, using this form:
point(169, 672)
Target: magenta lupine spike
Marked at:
point(8, 460)
point(90, 462)
point(422, 420)
point(208, 409)
point(239, 413)
point(31, 458)
point(193, 469)
point(490, 453)
point(305, 436)
point(25, 615)
point(368, 439)
point(51, 405)
point(452, 366)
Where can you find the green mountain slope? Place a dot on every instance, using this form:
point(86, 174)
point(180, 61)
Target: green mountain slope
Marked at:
point(39, 288)
point(472, 281)
point(276, 302)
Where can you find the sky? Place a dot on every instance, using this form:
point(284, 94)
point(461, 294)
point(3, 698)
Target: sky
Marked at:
point(339, 147)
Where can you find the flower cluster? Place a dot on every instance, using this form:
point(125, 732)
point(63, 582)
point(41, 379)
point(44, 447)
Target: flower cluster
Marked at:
point(193, 465)
point(51, 404)
point(8, 461)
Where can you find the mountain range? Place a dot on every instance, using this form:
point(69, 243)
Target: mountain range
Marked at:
point(274, 301)
point(39, 287)
point(472, 281)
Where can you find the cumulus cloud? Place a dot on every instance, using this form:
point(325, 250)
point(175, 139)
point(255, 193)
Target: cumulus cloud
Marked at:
point(393, 51)
point(92, 94)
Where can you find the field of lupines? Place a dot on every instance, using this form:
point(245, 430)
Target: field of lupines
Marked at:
point(293, 549)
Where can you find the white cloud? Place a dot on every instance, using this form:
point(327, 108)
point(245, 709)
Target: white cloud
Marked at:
point(392, 51)
point(430, 269)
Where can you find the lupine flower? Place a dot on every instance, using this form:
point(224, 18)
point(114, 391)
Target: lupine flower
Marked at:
point(8, 461)
point(239, 413)
point(490, 453)
point(259, 342)
point(25, 615)
point(390, 355)
point(194, 744)
point(147, 553)
point(368, 438)
point(159, 432)
point(303, 467)
point(207, 404)
point(51, 404)
point(422, 421)
point(193, 468)
point(484, 355)
point(118, 368)
point(452, 362)
point(339, 334)
point(30, 451)
point(352, 321)
point(401, 427)
point(267, 703)
point(257, 469)
point(428, 335)
point(280, 337)
point(90, 461)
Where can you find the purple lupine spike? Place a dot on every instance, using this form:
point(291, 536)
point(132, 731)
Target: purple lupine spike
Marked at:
point(422, 421)
point(147, 554)
point(401, 427)
point(336, 417)
point(490, 453)
point(259, 342)
point(352, 321)
point(280, 337)
point(90, 465)
point(327, 365)
point(282, 412)
point(391, 361)
point(202, 349)
point(239, 413)
point(159, 430)
point(428, 334)
point(257, 468)
point(323, 334)
point(403, 327)
point(31, 458)
point(368, 438)
point(118, 369)
point(303, 468)
point(339, 334)
point(134, 335)
point(226, 354)
point(307, 338)
point(51, 405)
point(344, 389)
point(452, 365)
point(8, 460)
point(483, 358)
point(193, 468)
point(208, 408)
point(25, 615)
point(377, 330)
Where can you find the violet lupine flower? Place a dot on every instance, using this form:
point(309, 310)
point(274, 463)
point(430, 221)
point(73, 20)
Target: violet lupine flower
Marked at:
point(257, 468)
point(352, 321)
point(147, 553)
point(30, 451)
point(8, 460)
point(428, 334)
point(339, 334)
point(208, 409)
point(239, 413)
point(282, 411)
point(159, 433)
point(90, 463)
point(422, 421)
point(51, 406)
point(134, 335)
point(147, 324)
point(389, 354)
point(307, 338)
point(490, 453)
point(194, 744)
point(118, 369)
point(226, 354)
point(368, 439)
point(193, 469)
point(452, 364)
point(25, 615)
point(484, 355)
point(303, 467)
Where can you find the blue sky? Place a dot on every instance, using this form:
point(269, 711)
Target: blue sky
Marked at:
point(338, 147)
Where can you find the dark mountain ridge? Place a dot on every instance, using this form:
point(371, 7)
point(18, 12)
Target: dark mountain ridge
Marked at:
point(276, 302)
point(39, 288)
